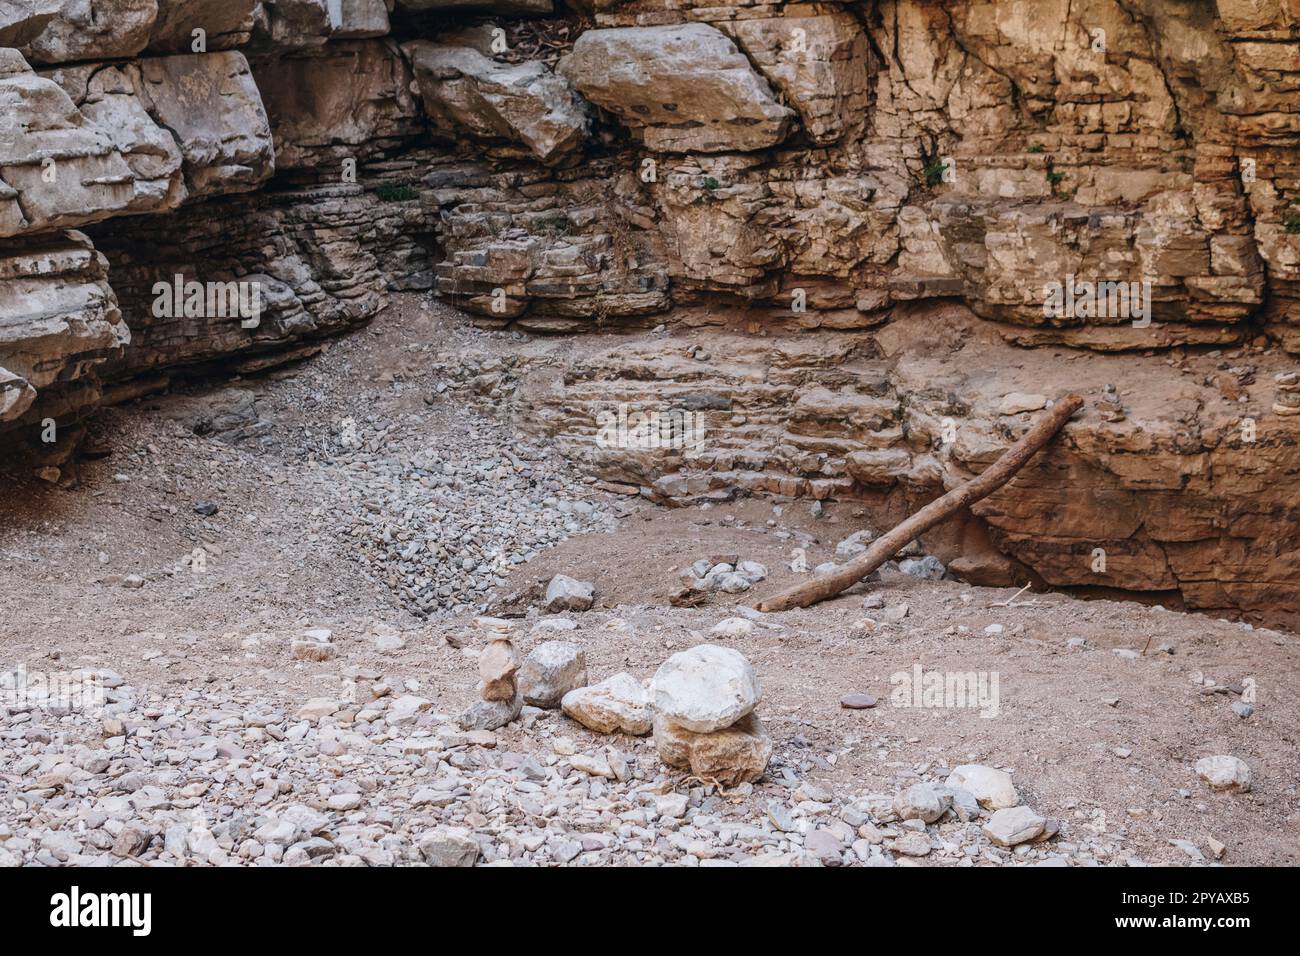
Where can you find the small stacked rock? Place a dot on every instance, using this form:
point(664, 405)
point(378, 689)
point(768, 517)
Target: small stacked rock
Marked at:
point(498, 663)
point(1286, 398)
point(1110, 405)
point(704, 700)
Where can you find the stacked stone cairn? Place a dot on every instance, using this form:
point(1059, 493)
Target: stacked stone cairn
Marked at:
point(498, 663)
point(1110, 405)
point(704, 720)
point(1286, 397)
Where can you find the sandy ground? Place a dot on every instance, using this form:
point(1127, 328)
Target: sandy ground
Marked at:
point(1101, 741)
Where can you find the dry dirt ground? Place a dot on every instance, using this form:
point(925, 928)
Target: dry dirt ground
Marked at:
point(1103, 742)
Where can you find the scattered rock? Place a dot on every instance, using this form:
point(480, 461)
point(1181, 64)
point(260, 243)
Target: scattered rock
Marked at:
point(567, 594)
point(1017, 402)
point(857, 701)
point(551, 670)
point(449, 847)
point(1225, 773)
point(617, 705)
point(921, 802)
point(1013, 825)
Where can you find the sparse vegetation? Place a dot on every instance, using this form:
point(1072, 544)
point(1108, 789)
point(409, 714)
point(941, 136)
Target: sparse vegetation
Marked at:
point(934, 172)
point(390, 193)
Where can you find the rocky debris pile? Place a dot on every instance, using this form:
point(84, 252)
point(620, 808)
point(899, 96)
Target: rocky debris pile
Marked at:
point(441, 525)
point(704, 722)
point(224, 774)
point(725, 572)
point(498, 663)
point(1111, 405)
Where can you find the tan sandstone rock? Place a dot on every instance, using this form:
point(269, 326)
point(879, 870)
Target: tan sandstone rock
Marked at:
point(686, 88)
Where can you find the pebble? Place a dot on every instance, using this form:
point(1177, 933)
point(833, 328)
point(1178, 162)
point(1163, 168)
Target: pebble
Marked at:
point(857, 701)
point(1224, 773)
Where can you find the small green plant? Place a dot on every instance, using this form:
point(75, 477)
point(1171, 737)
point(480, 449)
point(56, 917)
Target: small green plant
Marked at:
point(711, 184)
point(397, 193)
point(1054, 178)
point(934, 172)
point(1036, 148)
point(1292, 224)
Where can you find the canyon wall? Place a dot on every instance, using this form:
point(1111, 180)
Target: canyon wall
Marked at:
point(877, 215)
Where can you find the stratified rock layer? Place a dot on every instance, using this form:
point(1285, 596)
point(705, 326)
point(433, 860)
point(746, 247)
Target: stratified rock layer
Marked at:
point(812, 185)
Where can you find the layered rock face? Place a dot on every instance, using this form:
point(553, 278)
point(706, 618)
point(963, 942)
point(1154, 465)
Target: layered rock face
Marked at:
point(818, 179)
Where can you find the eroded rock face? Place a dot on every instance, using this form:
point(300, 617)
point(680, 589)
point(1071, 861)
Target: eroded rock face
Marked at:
point(109, 97)
point(684, 88)
point(342, 101)
point(213, 107)
point(90, 29)
point(526, 103)
point(57, 169)
point(59, 320)
point(819, 61)
point(225, 24)
point(827, 171)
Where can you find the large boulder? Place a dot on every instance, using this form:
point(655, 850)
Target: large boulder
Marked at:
point(685, 88)
point(22, 21)
point(705, 688)
point(212, 106)
point(521, 102)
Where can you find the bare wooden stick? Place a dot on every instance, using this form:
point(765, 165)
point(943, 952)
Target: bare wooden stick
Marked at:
point(886, 546)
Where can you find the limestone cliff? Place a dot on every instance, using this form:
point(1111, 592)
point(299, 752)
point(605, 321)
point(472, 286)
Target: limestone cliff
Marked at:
point(838, 188)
